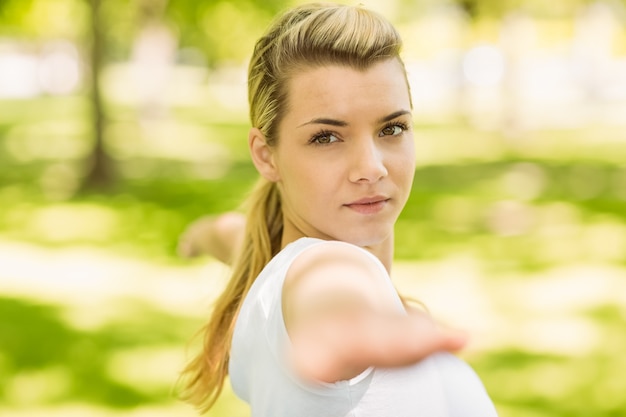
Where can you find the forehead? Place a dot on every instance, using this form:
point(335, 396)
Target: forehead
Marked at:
point(341, 90)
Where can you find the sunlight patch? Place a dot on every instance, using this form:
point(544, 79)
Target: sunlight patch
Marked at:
point(38, 387)
point(48, 140)
point(565, 335)
point(149, 370)
point(68, 222)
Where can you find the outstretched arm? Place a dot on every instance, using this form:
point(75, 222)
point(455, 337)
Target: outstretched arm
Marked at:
point(217, 236)
point(342, 317)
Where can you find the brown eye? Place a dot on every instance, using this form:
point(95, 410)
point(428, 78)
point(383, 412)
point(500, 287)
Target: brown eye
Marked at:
point(391, 130)
point(324, 139)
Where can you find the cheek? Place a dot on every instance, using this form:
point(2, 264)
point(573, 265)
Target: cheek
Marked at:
point(404, 174)
point(299, 176)
point(404, 163)
point(311, 185)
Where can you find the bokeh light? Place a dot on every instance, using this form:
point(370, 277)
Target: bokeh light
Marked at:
point(515, 229)
point(483, 66)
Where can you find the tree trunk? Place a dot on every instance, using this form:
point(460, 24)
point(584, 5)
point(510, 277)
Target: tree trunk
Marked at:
point(100, 166)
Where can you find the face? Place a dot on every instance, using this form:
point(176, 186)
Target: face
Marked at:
point(345, 158)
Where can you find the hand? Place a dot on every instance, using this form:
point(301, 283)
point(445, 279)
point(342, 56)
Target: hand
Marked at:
point(190, 244)
point(217, 236)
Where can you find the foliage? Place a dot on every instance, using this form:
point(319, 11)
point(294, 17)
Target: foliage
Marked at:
point(556, 198)
point(44, 18)
point(208, 25)
point(215, 27)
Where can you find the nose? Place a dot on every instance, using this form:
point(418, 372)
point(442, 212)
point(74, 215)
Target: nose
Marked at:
point(368, 162)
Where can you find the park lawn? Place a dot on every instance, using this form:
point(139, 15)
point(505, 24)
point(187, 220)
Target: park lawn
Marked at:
point(525, 247)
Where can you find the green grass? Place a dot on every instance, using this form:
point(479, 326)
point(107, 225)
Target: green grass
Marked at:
point(521, 213)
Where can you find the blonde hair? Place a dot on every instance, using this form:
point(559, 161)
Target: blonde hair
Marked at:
point(304, 37)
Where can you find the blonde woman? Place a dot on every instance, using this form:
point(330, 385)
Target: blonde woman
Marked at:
point(310, 324)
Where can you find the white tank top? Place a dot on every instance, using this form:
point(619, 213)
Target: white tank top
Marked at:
point(439, 386)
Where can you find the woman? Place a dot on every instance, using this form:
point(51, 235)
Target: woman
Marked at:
point(309, 323)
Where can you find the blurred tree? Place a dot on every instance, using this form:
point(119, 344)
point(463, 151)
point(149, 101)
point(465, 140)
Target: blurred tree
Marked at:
point(100, 169)
point(106, 29)
point(79, 21)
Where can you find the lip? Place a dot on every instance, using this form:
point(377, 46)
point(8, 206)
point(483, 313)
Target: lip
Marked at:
point(369, 200)
point(368, 205)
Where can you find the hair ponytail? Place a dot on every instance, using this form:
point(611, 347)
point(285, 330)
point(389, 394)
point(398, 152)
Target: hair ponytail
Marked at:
point(203, 378)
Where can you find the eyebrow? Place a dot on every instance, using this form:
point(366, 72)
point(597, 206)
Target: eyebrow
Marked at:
point(342, 123)
point(394, 115)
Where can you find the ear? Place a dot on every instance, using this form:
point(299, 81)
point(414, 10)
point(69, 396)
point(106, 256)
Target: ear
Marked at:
point(262, 155)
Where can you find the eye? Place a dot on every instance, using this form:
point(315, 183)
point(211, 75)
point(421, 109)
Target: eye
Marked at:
point(324, 138)
point(393, 129)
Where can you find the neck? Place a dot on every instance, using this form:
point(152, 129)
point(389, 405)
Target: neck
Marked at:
point(382, 250)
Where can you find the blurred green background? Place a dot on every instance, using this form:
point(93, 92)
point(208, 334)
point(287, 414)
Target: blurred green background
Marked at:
point(121, 121)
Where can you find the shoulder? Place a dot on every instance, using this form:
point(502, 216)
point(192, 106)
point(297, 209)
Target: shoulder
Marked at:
point(335, 258)
point(335, 273)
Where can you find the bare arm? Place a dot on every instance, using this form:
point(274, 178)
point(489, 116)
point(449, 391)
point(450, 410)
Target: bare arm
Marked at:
point(342, 318)
point(216, 236)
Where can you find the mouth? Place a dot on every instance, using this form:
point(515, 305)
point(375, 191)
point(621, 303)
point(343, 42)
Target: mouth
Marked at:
point(370, 205)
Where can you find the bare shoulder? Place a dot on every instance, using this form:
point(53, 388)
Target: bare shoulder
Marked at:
point(334, 276)
point(343, 316)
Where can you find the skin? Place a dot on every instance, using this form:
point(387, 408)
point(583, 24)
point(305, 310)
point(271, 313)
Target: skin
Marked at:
point(344, 164)
point(345, 138)
point(218, 236)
